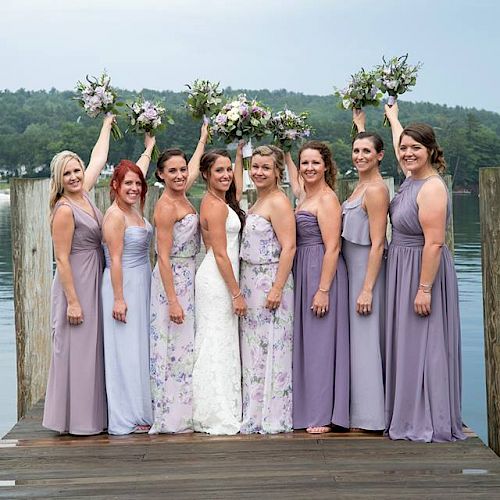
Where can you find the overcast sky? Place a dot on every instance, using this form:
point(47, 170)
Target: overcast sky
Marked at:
point(308, 46)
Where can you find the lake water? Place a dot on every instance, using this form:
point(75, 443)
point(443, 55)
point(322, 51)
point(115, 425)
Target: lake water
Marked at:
point(468, 264)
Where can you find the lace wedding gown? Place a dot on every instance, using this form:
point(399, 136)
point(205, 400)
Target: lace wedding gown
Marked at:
point(217, 367)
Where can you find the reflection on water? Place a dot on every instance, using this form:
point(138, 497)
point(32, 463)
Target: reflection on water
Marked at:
point(468, 264)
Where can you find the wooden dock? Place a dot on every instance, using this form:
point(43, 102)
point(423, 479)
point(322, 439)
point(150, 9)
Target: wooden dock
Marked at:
point(36, 463)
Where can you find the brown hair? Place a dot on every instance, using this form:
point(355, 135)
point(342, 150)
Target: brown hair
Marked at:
point(424, 134)
point(326, 155)
point(164, 157)
point(206, 162)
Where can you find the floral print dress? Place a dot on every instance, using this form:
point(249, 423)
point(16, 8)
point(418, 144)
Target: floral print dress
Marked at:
point(172, 345)
point(266, 336)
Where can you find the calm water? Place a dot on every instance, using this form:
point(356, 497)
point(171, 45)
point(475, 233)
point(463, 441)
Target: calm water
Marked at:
point(468, 263)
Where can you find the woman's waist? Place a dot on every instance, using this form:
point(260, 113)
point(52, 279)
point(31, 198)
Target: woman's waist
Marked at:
point(407, 240)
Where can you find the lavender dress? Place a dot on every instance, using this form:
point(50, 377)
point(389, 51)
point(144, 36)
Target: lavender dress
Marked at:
point(126, 345)
point(75, 401)
point(320, 345)
point(266, 336)
point(366, 331)
point(172, 345)
point(423, 367)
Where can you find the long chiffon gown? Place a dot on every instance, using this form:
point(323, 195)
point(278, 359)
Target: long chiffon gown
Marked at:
point(266, 336)
point(217, 368)
point(423, 371)
point(320, 345)
point(366, 331)
point(75, 401)
point(126, 345)
point(171, 344)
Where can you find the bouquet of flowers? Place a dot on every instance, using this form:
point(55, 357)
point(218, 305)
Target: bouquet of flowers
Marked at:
point(288, 127)
point(361, 91)
point(242, 119)
point(147, 117)
point(204, 99)
point(396, 76)
point(96, 96)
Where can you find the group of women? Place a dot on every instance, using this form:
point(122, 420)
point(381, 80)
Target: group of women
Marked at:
point(295, 319)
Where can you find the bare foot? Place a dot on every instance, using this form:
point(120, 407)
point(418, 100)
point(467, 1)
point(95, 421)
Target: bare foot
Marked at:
point(141, 429)
point(318, 430)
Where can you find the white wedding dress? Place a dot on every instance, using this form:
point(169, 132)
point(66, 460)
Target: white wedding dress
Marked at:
point(217, 366)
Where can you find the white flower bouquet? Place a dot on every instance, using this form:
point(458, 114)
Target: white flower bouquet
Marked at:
point(147, 117)
point(204, 99)
point(96, 96)
point(396, 77)
point(242, 119)
point(287, 128)
point(361, 91)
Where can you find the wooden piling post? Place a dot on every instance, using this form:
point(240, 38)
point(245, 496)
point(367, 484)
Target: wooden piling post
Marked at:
point(489, 208)
point(32, 259)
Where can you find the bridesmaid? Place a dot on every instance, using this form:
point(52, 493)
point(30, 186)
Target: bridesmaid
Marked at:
point(75, 401)
point(321, 321)
point(125, 294)
point(267, 251)
point(172, 292)
point(423, 370)
point(364, 225)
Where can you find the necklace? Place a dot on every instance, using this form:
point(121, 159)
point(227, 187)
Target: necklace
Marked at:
point(215, 196)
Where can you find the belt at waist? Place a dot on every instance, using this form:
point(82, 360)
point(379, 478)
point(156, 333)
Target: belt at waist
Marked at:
point(407, 240)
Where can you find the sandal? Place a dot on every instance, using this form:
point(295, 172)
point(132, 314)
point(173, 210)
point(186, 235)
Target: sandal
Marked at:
point(321, 429)
point(141, 429)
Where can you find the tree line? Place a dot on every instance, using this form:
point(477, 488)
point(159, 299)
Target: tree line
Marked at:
point(34, 125)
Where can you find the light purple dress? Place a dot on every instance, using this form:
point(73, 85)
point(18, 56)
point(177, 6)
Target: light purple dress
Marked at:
point(172, 345)
point(126, 345)
point(320, 345)
point(75, 401)
point(423, 364)
point(265, 336)
point(366, 331)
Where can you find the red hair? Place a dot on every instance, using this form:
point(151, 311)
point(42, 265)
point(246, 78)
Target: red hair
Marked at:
point(119, 173)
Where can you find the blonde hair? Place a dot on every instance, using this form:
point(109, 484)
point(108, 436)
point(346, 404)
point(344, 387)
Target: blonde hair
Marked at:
point(57, 166)
point(278, 157)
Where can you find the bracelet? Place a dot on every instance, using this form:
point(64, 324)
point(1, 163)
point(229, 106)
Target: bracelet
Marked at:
point(425, 288)
point(324, 290)
point(234, 297)
point(146, 155)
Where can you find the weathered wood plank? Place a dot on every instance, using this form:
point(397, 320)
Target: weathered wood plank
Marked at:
point(32, 270)
point(489, 210)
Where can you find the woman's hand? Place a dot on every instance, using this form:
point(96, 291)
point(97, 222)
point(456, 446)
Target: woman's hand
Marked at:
point(320, 303)
point(364, 302)
point(240, 306)
point(359, 119)
point(109, 119)
point(75, 314)
point(392, 112)
point(204, 133)
point(273, 300)
point(176, 312)
point(149, 141)
point(120, 310)
point(422, 303)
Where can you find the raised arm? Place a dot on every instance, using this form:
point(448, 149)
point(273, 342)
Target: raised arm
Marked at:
point(215, 216)
point(238, 171)
point(145, 158)
point(114, 233)
point(194, 162)
point(376, 201)
point(293, 174)
point(392, 113)
point(165, 218)
point(359, 119)
point(99, 155)
point(283, 222)
point(329, 217)
point(63, 227)
point(432, 203)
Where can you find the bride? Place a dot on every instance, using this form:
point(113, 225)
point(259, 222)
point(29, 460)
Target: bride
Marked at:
point(218, 299)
